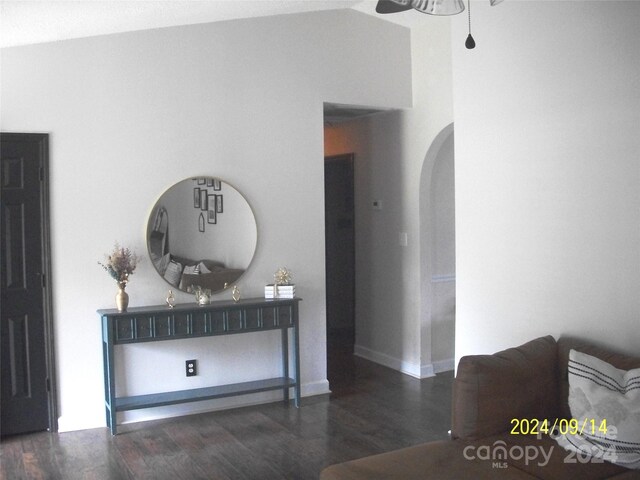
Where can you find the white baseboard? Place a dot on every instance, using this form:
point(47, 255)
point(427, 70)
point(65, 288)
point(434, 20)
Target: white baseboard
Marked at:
point(66, 424)
point(315, 388)
point(444, 365)
point(412, 369)
point(427, 371)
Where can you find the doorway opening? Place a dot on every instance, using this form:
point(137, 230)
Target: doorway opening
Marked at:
point(438, 253)
point(339, 261)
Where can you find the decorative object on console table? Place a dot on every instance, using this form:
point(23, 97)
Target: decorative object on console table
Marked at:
point(281, 284)
point(122, 298)
point(203, 295)
point(235, 294)
point(119, 265)
point(171, 300)
point(279, 291)
point(283, 276)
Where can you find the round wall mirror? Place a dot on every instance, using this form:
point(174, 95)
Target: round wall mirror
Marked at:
point(201, 233)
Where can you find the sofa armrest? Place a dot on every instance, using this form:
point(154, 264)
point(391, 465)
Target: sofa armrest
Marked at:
point(489, 391)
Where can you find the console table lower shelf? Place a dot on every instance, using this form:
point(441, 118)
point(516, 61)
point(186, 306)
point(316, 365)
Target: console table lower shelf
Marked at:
point(159, 323)
point(206, 393)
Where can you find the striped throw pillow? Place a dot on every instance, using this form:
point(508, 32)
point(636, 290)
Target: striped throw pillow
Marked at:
point(605, 406)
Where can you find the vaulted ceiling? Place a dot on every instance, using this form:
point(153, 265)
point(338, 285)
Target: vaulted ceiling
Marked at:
point(25, 22)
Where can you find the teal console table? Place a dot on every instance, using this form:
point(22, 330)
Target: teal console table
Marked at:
point(161, 323)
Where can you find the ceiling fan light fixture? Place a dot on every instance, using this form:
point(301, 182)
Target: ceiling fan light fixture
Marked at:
point(439, 7)
point(392, 6)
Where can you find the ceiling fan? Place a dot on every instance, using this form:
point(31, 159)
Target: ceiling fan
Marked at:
point(431, 7)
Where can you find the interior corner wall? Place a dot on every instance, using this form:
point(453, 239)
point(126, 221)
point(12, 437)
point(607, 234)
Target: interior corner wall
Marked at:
point(548, 175)
point(131, 114)
point(390, 151)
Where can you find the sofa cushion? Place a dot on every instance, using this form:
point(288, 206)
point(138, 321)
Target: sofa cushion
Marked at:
point(442, 460)
point(492, 390)
point(606, 401)
point(543, 458)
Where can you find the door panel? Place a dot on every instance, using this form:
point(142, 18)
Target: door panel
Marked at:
point(24, 394)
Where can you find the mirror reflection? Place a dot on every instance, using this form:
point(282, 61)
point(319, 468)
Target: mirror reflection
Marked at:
point(201, 233)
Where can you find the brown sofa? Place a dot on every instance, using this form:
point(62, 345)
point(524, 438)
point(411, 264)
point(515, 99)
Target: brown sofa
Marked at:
point(489, 391)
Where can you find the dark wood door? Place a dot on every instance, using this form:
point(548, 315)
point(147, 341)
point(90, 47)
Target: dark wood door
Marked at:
point(340, 251)
point(24, 394)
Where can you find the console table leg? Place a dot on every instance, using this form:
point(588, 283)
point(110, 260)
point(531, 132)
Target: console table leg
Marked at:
point(114, 424)
point(285, 362)
point(296, 355)
point(109, 375)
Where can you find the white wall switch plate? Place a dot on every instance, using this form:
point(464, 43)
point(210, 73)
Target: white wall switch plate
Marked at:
point(404, 239)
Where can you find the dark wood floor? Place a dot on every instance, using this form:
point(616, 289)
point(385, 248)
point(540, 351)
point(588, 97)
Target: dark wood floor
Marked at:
point(372, 409)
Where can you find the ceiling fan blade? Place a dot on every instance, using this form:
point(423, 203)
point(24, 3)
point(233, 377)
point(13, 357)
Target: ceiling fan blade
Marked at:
point(389, 6)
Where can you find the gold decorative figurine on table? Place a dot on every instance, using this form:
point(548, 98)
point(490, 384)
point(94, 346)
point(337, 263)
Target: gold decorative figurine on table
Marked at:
point(171, 300)
point(235, 294)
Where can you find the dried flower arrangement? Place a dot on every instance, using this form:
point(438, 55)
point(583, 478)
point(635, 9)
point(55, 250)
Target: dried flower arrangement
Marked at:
point(120, 264)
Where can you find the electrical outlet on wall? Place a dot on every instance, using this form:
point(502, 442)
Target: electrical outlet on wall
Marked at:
point(191, 368)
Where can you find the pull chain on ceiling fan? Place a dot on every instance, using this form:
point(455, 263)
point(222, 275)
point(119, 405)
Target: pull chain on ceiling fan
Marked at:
point(470, 43)
point(431, 7)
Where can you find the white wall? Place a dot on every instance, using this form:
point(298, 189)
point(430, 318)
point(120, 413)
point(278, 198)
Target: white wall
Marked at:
point(390, 148)
point(547, 143)
point(131, 114)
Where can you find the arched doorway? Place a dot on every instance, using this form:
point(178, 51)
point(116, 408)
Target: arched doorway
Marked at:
point(437, 253)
